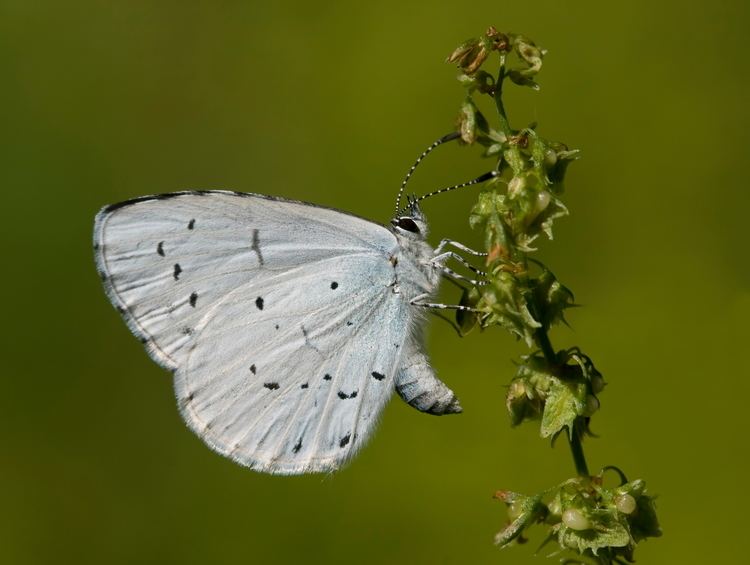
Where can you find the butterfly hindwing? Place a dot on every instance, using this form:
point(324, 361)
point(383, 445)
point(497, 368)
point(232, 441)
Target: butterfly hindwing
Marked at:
point(298, 386)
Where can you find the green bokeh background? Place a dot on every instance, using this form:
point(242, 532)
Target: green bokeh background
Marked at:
point(330, 102)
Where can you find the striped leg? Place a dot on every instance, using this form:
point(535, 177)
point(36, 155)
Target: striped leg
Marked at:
point(450, 273)
point(438, 306)
point(443, 257)
point(460, 246)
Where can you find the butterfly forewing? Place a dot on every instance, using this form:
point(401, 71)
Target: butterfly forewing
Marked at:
point(276, 316)
point(166, 259)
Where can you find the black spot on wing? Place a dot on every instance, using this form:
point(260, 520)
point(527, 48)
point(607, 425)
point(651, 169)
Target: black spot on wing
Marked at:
point(193, 299)
point(334, 285)
point(377, 376)
point(305, 385)
point(277, 326)
point(271, 386)
point(349, 323)
point(253, 369)
point(345, 440)
point(160, 248)
point(259, 303)
point(297, 446)
point(256, 246)
point(343, 395)
point(191, 224)
point(327, 377)
point(177, 271)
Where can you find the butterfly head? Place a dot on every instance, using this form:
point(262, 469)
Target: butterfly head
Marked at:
point(410, 222)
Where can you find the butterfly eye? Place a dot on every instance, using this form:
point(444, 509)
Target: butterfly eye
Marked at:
point(408, 224)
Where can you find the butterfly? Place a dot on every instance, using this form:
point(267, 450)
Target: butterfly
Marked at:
point(287, 325)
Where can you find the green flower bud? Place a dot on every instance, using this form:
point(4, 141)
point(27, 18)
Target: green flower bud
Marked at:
point(592, 405)
point(530, 53)
point(551, 299)
point(550, 159)
point(574, 519)
point(493, 149)
point(471, 122)
point(531, 61)
point(523, 511)
point(516, 186)
point(480, 81)
point(555, 509)
point(625, 504)
point(522, 401)
point(597, 383)
point(556, 167)
point(541, 202)
point(520, 79)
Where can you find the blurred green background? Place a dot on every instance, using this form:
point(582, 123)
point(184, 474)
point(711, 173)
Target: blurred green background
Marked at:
point(330, 102)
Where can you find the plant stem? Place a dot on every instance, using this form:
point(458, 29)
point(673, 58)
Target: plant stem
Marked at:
point(541, 337)
point(576, 449)
point(542, 340)
point(498, 96)
point(574, 434)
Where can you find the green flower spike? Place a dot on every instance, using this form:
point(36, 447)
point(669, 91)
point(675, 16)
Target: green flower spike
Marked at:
point(558, 389)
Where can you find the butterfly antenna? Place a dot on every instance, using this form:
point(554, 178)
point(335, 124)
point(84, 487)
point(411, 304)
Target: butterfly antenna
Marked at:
point(482, 178)
point(444, 139)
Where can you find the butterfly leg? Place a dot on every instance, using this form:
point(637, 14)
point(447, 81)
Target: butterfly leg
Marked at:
point(439, 262)
point(443, 257)
point(460, 246)
point(438, 306)
point(453, 275)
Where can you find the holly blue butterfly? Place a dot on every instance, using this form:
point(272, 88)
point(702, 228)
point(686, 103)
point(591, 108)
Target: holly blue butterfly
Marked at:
point(287, 325)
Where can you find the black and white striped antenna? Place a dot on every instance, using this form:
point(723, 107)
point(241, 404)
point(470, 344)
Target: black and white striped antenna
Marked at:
point(444, 139)
point(481, 178)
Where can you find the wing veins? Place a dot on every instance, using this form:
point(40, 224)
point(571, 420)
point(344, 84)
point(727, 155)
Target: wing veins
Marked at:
point(330, 390)
point(278, 398)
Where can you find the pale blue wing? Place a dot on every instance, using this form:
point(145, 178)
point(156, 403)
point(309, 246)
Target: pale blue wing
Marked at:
point(252, 301)
point(297, 386)
point(166, 260)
